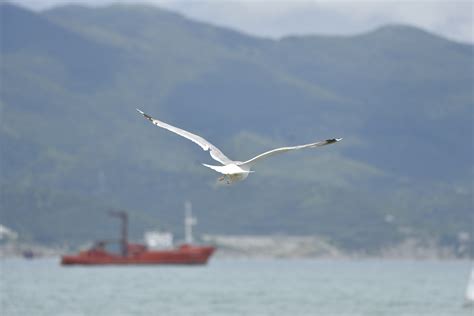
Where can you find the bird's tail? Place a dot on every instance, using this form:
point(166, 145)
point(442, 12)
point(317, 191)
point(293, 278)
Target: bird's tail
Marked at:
point(221, 169)
point(215, 168)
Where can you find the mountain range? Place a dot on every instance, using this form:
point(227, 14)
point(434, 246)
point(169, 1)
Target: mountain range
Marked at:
point(73, 146)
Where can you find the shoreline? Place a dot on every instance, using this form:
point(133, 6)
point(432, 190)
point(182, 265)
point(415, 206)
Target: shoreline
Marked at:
point(272, 247)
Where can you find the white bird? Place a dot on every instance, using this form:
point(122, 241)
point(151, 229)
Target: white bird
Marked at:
point(231, 170)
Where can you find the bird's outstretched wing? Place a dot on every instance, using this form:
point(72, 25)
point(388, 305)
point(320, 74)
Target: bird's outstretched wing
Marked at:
point(215, 153)
point(267, 154)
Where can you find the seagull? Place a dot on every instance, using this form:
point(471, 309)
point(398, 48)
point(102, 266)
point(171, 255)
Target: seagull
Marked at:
point(232, 170)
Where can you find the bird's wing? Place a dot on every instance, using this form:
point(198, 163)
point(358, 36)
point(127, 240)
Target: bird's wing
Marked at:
point(215, 153)
point(255, 159)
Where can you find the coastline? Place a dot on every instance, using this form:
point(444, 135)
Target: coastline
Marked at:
point(274, 247)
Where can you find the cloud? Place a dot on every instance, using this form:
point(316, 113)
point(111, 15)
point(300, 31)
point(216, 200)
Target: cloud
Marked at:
point(277, 18)
point(452, 19)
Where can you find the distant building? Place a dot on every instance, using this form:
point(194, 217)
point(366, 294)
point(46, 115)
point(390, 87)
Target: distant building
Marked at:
point(7, 233)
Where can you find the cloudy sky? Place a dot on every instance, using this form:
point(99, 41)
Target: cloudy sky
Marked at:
point(276, 18)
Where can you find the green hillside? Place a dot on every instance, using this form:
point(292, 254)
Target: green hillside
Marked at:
point(72, 145)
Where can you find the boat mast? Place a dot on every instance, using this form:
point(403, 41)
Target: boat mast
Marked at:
point(189, 221)
point(124, 234)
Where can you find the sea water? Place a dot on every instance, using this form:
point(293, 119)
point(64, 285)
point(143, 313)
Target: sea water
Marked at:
point(236, 287)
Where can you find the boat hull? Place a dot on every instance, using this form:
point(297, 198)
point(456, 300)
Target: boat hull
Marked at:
point(186, 254)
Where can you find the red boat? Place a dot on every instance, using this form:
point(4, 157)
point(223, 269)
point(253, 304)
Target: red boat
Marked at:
point(138, 254)
point(132, 253)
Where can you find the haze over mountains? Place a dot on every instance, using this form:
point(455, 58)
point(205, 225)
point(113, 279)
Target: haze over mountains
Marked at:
point(73, 146)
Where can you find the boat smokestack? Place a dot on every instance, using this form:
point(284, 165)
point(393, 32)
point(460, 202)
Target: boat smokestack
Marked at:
point(124, 233)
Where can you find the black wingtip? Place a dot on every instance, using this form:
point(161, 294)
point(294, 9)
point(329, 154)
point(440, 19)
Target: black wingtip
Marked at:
point(333, 140)
point(144, 114)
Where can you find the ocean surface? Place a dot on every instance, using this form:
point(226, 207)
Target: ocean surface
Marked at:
point(237, 287)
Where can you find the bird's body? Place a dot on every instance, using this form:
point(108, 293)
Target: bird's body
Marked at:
point(232, 170)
